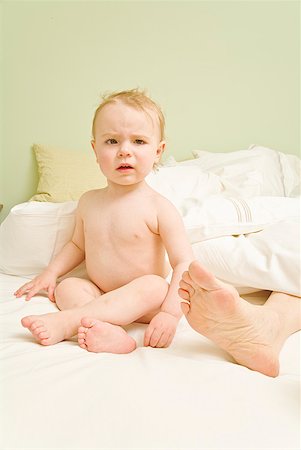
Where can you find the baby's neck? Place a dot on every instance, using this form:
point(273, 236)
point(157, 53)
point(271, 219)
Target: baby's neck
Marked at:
point(118, 190)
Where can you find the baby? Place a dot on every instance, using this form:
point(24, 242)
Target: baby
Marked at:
point(123, 233)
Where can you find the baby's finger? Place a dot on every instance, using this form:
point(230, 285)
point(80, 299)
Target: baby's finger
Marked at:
point(51, 296)
point(170, 339)
point(155, 337)
point(31, 293)
point(23, 289)
point(147, 336)
point(163, 340)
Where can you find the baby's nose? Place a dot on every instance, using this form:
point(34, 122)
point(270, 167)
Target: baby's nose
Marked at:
point(124, 150)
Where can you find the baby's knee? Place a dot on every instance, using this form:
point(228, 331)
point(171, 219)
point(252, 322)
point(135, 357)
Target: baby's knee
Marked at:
point(156, 284)
point(68, 291)
point(65, 286)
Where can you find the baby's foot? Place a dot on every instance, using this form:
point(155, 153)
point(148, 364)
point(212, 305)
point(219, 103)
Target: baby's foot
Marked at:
point(96, 336)
point(47, 329)
point(250, 333)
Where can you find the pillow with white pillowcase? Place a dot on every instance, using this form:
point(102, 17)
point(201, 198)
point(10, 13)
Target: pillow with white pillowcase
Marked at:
point(258, 165)
point(247, 183)
point(32, 234)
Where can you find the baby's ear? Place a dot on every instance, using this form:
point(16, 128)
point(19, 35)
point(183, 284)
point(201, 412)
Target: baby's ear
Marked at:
point(161, 148)
point(93, 146)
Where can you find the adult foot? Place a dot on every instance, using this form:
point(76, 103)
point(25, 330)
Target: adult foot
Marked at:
point(48, 329)
point(96, 336)
point(249, 333)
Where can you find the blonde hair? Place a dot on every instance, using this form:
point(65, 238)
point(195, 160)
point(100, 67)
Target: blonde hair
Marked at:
point(137, 99)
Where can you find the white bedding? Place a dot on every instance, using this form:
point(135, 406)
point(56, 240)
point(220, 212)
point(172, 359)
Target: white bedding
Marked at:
point(189, 396)
point(243, 222)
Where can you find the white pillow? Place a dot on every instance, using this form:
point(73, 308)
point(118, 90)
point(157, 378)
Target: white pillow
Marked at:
point(32, 234)
point(183, 182)
point(256, 171)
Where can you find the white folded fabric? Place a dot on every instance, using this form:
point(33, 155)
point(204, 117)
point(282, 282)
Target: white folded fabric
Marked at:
point(266, 260)
point(220, 216)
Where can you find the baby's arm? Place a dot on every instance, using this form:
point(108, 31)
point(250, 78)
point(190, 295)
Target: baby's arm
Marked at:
point(71, 255)
point(161, 329)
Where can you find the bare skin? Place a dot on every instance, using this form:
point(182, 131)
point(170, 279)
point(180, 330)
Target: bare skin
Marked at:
point(253, 335)
point(139, 300)
point(96, 336)
point(123, 233)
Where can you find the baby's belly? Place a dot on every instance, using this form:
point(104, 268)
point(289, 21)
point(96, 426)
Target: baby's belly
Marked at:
point(112, 274)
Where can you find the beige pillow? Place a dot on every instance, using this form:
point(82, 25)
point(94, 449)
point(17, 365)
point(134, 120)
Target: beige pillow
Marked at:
point(65, 175)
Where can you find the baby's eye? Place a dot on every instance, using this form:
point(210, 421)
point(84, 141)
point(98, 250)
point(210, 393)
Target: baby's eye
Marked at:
point(139, 141)
point(111, 141)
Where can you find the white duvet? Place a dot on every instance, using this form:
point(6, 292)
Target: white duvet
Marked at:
point(242, 215)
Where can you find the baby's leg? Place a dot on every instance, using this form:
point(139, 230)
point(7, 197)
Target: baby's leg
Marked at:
point(73, 292)
point(120, 307)
point(252, 334)
point(70, 293)
point(100, 336)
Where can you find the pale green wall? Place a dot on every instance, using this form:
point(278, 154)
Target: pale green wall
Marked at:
point(225, 73)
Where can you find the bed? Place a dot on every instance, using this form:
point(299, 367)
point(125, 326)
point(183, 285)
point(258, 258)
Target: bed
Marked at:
point(243, 223)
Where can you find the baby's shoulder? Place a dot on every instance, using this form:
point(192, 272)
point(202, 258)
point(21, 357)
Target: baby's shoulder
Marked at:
point(92, 195)
point(162, 204)
point(160, 200)
point(89, 199)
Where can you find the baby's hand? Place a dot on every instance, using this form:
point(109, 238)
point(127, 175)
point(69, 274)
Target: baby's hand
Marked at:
point(161, 330)
point(46, 281)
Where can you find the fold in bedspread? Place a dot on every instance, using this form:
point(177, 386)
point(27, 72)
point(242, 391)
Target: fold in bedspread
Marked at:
point(218, 216)
point(268, 259)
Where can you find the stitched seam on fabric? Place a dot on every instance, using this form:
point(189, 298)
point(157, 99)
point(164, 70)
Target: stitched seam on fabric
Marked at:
point(238, 209)
point(247, 210)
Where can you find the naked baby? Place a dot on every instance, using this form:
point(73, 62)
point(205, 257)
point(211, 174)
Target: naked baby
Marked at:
point(123, 233)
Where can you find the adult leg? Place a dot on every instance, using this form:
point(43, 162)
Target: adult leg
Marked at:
point(119, 307)
point(252, 334)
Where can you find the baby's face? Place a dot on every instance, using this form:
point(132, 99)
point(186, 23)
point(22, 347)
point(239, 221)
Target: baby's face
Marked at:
point(126, 143)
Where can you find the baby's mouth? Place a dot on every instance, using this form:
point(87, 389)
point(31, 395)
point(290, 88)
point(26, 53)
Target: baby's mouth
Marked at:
point(124, 167)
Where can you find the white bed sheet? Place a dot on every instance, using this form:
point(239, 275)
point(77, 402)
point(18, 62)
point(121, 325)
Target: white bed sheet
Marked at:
point(189, 396)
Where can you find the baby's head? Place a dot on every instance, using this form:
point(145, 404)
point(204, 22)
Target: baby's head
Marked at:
point(139, 100)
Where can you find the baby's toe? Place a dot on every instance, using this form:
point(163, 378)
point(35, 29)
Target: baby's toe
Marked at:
point(45, 341)
point(82, 330)
point(35, 325)
point(87, 322)
point(38, 330)
point(82, 344)
point(81, 337)
point(43, 335)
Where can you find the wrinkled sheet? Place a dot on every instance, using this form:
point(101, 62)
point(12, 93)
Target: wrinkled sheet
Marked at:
point(189, 396)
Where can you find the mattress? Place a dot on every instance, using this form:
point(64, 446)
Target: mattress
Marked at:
point(191, 395)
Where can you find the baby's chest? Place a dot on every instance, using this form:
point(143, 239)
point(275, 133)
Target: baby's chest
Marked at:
point(120, 229)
